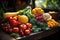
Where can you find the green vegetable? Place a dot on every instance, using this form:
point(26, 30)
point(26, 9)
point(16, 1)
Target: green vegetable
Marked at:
point(1, 12)
point(45, 3)
point(45, 27)
point(37, 25)
point(33, 21)
point(26, 11)
point(15, 35)
point(1, 15)
point(52, 4)
point(37, 30)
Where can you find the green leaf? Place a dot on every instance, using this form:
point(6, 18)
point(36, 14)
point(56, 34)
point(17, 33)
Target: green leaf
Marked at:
point(47, 28)
point(15, 35)
point(37, 30)
point(33, 21)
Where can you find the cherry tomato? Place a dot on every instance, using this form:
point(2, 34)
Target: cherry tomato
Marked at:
point(2, 25)
point(29, 25)
point(10, 30)
point(19, 23)
point(8, 25)
point(27, 32)
point(10, 18)
point(4, 28)
point(15, 17)
point(21, 32)
point(15, 29)
point(29, 29)
point(7, 30)
point(23, 27)
point(14, 23)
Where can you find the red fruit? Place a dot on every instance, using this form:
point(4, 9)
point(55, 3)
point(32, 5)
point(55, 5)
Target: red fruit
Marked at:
point(14, 23)
point(4, 28)
point(23, 27)
point(8, 25)
point(2, 25)
point(29, 25)
point(37, 14)
point(30, 29)
point(7, 30)
point(10, 30)
point(40, 17)
point(15, 17)
point(37, 18)
point(21, 33)
point(19, 23)
point(10, 18)
point(27, 32)
point(15, 29)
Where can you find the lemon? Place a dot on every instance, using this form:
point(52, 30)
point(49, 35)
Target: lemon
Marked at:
point(23, 18)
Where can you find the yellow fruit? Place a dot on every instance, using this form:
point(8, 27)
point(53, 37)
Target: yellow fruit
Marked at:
point(23, 18)
point(9, 14)
point(33, 11)
point(38, 10)
point(52, 23)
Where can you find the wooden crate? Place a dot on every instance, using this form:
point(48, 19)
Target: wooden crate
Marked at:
point(32, 36)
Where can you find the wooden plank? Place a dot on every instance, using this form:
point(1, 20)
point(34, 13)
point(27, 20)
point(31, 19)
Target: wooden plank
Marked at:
point(39, 35)
point(4, 36)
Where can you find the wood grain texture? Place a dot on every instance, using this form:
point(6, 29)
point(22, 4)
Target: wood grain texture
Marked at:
point(4, 36)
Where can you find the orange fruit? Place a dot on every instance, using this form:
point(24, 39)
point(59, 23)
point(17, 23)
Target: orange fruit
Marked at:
point(38, 10)
point(23, 18)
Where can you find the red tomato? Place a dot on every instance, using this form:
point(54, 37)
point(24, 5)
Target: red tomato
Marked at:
point(27, 32)
point(19, 23)
point(14, 23)
point(8, 25)
point(15, 29)
point(23, 27)
point(10, 18)
point(21, 33)
point(10, 30)
point(15, 17)
point(29, 25)
point(2, 25)
point(5, 29)
point(29, 29)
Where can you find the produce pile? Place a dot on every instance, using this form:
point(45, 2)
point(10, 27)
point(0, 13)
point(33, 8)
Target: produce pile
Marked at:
point(27, 21)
